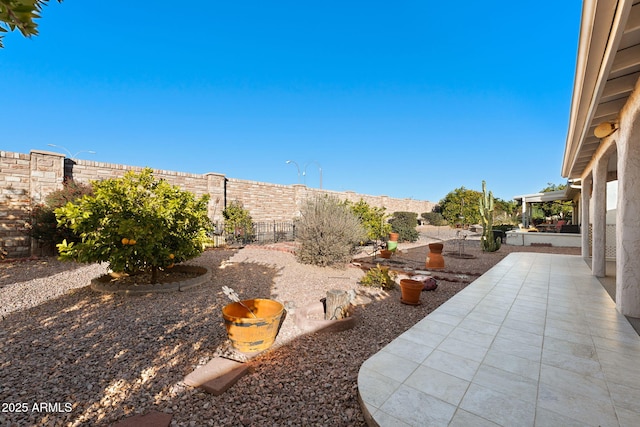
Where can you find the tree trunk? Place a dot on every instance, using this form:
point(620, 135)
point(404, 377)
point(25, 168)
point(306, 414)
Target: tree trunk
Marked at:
point(154, 275)
point(337, 304)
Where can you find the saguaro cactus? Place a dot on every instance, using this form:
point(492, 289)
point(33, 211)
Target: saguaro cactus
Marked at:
point(488, 241)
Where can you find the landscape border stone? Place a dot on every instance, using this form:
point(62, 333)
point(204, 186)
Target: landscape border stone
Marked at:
point(105, 284)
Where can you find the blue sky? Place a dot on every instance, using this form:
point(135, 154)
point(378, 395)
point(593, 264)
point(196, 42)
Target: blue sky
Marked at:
point(408, 99)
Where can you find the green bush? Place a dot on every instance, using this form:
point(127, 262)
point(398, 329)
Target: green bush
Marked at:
point(43, 225)
point(504, 227)
point(405, 223)
point(379, 277)
point(373, 219)
point(328, 232)
point(434, 218)
point(136, 224)
point(238, 224)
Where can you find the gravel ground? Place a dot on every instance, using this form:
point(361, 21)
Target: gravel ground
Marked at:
point(96, 358)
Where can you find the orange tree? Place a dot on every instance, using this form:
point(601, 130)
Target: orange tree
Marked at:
point(135, 223)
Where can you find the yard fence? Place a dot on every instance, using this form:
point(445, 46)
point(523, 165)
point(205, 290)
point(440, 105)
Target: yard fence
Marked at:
point(260, 233)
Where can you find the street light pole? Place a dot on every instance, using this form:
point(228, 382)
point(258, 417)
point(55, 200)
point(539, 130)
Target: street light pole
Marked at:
point(72, 156)
point(319, 169)
point(297, 167)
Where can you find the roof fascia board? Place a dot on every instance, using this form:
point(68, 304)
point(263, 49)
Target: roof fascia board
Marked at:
point(601, 30)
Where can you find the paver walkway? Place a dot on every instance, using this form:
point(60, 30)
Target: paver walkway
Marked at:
point(536, 341)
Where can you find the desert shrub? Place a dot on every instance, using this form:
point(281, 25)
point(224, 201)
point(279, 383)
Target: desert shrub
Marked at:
point(43, 225)
point(379, 277)
point(434, 218)
point(238, 224)
point(405, 223)
point(135, 223)
point(328, 232)
point(373, 219)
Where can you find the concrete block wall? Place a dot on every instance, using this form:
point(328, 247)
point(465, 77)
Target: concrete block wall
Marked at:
point(26, 179)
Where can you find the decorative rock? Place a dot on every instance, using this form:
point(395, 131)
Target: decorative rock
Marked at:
point(306, 323)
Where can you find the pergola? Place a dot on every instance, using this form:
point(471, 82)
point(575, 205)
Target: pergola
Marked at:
point(526, 200)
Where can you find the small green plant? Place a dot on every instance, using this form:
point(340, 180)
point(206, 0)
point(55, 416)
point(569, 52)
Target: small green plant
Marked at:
point(238, 224)
point(488, 241)
point(379, 277)
point(373, 219)
point(405, 223)
point(328, 232)
point(135, 223)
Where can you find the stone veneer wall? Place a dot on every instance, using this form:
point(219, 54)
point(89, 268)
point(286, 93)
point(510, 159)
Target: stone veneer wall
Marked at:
point(26, 179)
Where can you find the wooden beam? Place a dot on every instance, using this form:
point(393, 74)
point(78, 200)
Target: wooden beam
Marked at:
point(619, 87)
point(607, 108)
point(633, 22)
point(626, 60)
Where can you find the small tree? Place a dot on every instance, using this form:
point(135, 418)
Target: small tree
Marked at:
point(373, 219)
point(328, 232)
point(135, 223)
point(238, 224)
point(461, 206)
point(405, 223)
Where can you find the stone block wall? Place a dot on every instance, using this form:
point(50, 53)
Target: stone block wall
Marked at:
point(26, 179)
point(15, 172)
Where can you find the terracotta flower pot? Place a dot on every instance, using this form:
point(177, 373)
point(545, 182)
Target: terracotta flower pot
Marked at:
point(410, 291)
point(394, 237)
point(434, 258)
point(384, 253)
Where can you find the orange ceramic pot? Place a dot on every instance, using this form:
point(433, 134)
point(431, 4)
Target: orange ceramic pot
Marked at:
point(434, 258)
point(410, 291)
point(384, 253)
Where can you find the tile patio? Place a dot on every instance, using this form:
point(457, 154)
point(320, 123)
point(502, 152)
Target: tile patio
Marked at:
point(536, 341)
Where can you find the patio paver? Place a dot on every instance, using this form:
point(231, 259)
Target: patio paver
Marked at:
point(535, 341)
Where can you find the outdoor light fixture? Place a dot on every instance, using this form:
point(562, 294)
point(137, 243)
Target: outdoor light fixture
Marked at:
point(297, 167)
point(71, 156)
point(304, 173)
point(605, 129)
